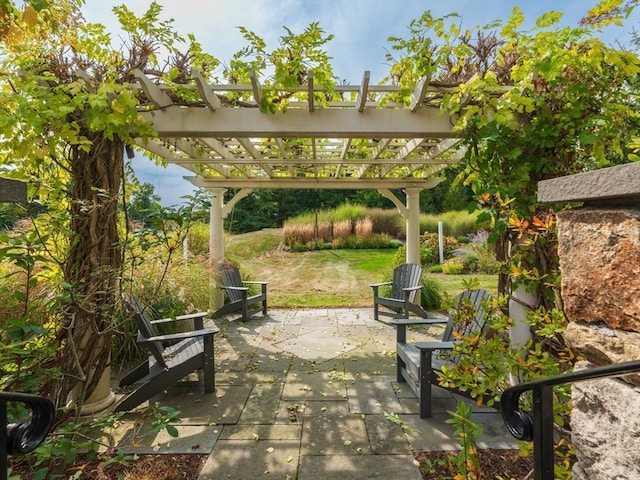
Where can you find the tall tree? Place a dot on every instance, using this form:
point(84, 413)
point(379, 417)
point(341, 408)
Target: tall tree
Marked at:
point(533, 105)
point(69, 110)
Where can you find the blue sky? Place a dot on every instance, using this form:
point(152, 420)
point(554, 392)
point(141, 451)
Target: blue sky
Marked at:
point(360, 27)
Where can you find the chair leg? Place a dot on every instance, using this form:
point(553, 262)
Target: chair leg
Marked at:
point(136, 374)
point(264, 302)
point(425, 383)
point(208, 365)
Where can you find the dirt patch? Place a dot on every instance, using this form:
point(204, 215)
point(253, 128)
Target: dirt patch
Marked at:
point(145, 467)
point(494, 463)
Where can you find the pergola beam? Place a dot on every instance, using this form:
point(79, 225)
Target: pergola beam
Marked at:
point(314, 183)
point(228, 122)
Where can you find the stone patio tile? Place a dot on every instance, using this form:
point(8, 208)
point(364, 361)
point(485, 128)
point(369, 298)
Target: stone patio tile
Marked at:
point(301, 386)
point(372, 397)
point(249, 378)
point(301, 365)
point(386, 437)
point(190, 439)
point(334, 435)
point(324, 407)
point(262, 404)
point(223, 406)
point(289, 413)
point(442, 401)
point(244, 459)
point(351, 467)
point(278, 332)
point(369, 367)
point(494, 434)
point(273, 361)
point(430, 434)
point(318, 345)
point(261, 432)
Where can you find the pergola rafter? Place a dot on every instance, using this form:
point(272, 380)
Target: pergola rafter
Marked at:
point(349, 137)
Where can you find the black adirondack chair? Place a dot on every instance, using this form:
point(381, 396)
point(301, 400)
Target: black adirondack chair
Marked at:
point(238, 298)
point(418, 363)
point(167, 365)
point(400, 302)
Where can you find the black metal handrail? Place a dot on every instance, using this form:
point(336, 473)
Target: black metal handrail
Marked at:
point(23, 437)
point(537, 425)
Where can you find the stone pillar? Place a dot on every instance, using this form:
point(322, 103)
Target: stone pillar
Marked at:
point(599, 252)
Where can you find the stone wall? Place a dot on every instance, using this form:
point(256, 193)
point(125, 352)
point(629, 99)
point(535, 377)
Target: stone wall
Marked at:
point(599, 250)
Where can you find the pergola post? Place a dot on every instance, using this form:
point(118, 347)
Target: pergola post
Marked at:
point(217, 214)
point(411, 214)
point(413, 225)
point(216, 244)
point(216, 223)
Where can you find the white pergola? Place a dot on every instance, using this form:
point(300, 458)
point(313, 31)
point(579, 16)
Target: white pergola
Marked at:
point(362, 141)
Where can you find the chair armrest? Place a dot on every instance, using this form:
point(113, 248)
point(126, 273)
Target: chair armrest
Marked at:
point(418, 321)
point(255, 282)
point(411, 289)
point(188, 316)
point(380, 284)
point(179, 336)
point(229, 287)
point(435, 345)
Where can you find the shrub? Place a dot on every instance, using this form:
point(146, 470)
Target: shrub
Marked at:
point(453, 266)
point(454, 223)
point(348, 211)
point(387, 221)
point(364, 227)
point(431, 293)
point(198, 239)
point(342, 229)
point(430, 250)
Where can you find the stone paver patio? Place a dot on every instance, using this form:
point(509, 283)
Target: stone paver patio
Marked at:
point(305, 394)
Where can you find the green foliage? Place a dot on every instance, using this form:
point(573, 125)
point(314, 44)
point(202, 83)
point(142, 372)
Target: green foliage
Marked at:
point(431, 293)
point(144, 205)
point(198, 239)
point(91, 437)
point(533, 104)
point(486, 363)
point(27, 328)
point(466, 432)
point(430, 249)
point(454, 223)
point(453, 266)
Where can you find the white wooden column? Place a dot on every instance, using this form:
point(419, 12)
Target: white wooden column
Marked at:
point(413, 225)
point(216, 244)
point(216, 226)
point(411, 213)
point(217, 214)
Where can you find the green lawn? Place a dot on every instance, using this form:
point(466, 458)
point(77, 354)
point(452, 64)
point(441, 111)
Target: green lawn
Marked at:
point(324, 278)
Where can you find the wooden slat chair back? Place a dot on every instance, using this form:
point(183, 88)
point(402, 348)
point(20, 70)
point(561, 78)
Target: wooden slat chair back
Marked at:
point(237, 291)
point(467, 318)
point(145, 329)
point(418, 363)
point(167, 365)
point(405, 284)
